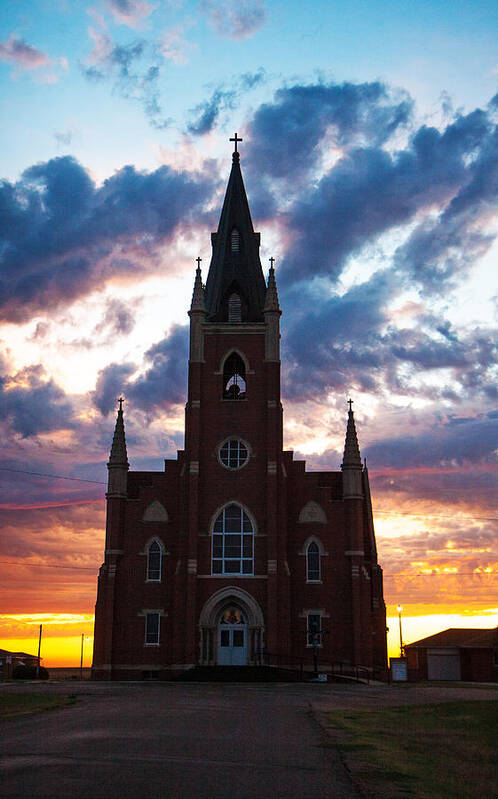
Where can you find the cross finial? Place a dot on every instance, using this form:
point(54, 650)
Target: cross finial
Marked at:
point(272, 261)
point(199, 260)
point(236, 139)
point(350, 403)
point(120, 400)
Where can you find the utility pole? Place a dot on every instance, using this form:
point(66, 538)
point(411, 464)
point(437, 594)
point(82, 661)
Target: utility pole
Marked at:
point(399, 609)
point(81, 659)
point(39, 650)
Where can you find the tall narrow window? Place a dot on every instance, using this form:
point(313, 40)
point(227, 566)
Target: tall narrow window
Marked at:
point(234, 374)
point(152, 624)
point(233, 545)
point(314, 629)
point(235, 240)
point(154, 562)
point(234, 308)
point(313, 563)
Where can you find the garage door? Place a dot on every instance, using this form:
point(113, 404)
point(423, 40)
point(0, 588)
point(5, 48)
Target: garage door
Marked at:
point(443, 664)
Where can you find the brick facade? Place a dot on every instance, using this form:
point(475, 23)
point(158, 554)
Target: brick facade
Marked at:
point(306, 546)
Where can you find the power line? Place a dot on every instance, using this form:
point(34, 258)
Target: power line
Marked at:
point(377, 512)
point(50, 565)
point(386, 576)
point(443, 574)
point(52, 476)
point(435, 516)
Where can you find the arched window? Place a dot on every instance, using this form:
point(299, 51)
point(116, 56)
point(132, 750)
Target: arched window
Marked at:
point(233, 542)
point(313, 574)
point(234, 308)
point(235, 240)
point(234, 377)
point(154, 562)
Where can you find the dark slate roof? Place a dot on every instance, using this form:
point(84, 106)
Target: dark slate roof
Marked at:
point(459, 637)
point(235, 272)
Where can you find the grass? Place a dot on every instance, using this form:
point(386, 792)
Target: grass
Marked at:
point(12, 705)
point(437, 751)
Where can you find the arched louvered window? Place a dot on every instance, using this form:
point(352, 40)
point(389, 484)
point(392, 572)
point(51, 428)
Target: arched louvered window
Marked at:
point(154, 562)
point(313, 574)
point(234, 378)
point(234, 308)
point(235, 240)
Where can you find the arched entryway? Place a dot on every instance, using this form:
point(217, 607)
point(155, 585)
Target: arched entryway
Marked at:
point(231, 629)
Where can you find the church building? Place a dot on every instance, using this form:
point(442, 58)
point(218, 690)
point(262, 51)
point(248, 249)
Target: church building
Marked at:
point(236, 555)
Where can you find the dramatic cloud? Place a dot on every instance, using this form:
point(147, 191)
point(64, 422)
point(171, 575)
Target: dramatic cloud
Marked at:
point(234, 20)
point(61, 235)
point(286, 134)
point(16, 51)
point(133, 69)
point(32, 404)
point(445, 181)
point(162, 385)
point(449, 440)
point(118, 318)
point(111, 382)
point(204, 116)
point(347, 342)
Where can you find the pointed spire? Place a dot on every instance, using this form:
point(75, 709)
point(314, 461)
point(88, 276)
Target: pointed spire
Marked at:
point(271, 302)
point(352, 457)
point(198, 293)
point(119, 456)
point(235, 266)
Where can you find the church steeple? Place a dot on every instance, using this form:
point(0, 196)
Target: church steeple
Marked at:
point(235, 272)
point(351, 463)
point(118, 459)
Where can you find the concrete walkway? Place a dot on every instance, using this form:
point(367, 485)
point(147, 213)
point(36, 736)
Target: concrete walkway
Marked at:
point(218, 741)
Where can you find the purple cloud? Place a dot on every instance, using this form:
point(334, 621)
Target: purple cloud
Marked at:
point(17, 51)
point(163, 384)
point(60, 233)
point(234, 20)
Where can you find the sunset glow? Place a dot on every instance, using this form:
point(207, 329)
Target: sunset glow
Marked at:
point(371, 174)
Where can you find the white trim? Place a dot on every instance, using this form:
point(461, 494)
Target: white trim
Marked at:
point(316, 540)
point(232, 593)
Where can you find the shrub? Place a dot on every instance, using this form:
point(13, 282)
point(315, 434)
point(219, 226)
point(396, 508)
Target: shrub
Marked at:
point(29, 673)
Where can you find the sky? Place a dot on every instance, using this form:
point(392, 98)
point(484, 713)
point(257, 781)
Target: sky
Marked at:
point(370, 157)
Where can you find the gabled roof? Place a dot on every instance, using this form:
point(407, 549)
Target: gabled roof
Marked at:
point(459, 637)
point(235, 270)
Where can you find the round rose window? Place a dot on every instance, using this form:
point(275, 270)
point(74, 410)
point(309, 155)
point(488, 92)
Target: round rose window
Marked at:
point(233, 453)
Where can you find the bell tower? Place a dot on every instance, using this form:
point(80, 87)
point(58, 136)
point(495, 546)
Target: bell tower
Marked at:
point(233, 427)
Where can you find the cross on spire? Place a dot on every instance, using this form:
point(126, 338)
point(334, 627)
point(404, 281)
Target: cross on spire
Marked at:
point(350, 403)
point(272, 261)
point(198, 259)
point(120, 400)
point(236, 139)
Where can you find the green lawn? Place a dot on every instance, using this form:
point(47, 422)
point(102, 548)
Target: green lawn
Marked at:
point(25, 704)
point(447, 750)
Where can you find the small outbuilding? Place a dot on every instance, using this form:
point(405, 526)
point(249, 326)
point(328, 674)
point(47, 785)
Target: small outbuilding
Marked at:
point(455, 654)
point(9, 660)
